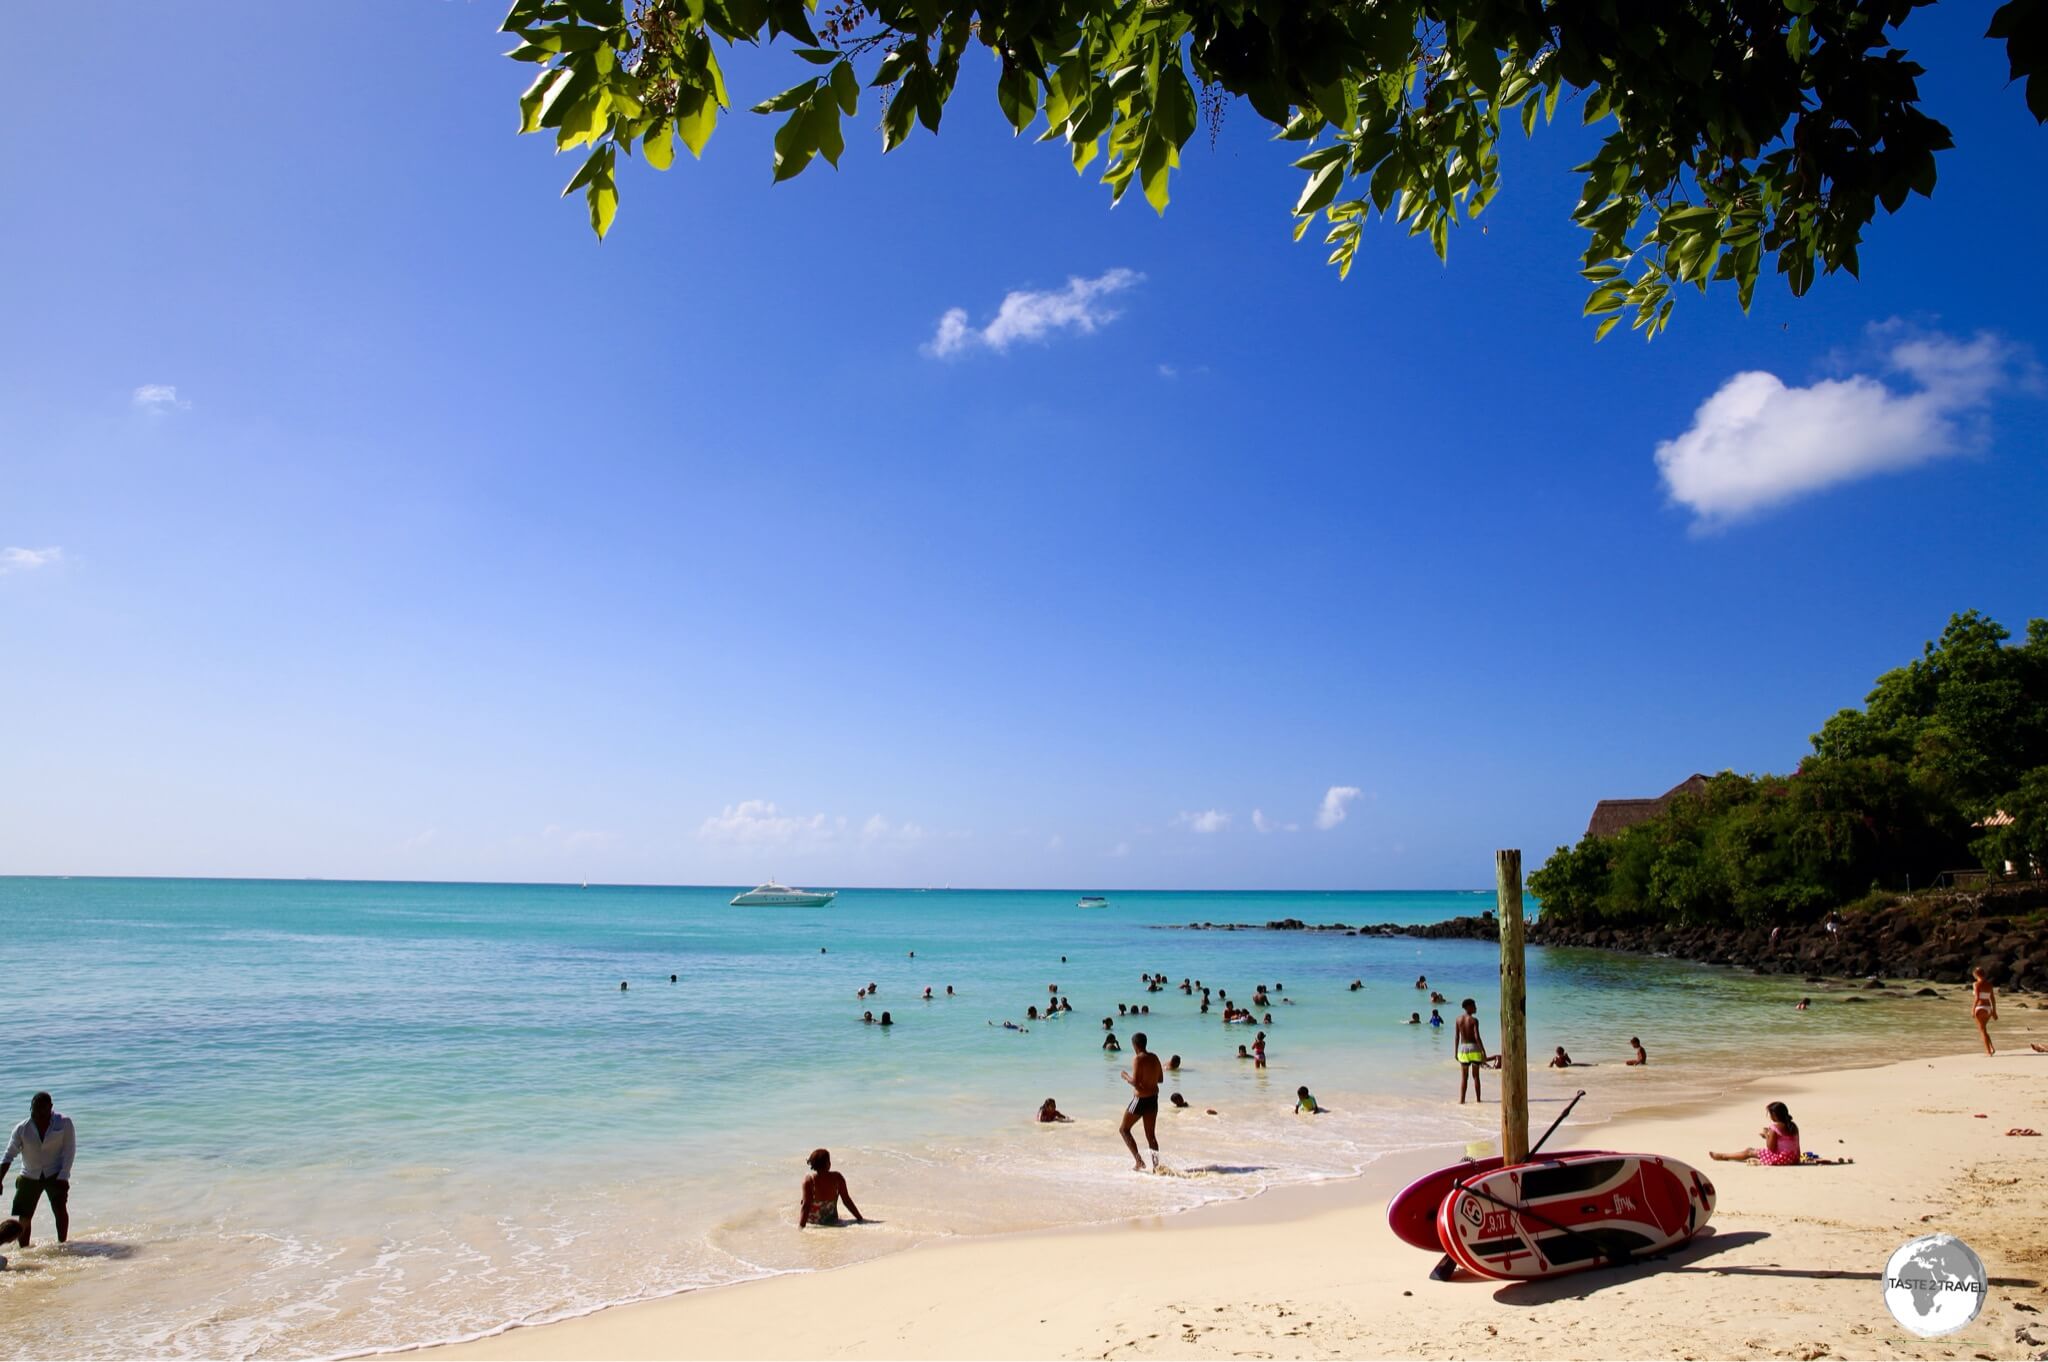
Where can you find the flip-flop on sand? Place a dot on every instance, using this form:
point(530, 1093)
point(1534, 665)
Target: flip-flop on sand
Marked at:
point(2022, 1130)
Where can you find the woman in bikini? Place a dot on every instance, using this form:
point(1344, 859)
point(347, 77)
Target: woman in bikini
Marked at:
point(1781, 1141)
point(1983, 1006)
point(823, 1191)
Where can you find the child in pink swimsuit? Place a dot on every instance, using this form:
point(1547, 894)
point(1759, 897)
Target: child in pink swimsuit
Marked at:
point(1781, 1140)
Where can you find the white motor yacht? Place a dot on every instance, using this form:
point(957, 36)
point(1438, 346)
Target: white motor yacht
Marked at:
point(1092, 901)
point(773, 895)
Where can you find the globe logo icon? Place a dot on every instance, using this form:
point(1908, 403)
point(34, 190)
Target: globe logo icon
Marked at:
point(1934, 1285)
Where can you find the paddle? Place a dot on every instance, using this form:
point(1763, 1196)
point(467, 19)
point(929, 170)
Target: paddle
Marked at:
point(1447, 1266)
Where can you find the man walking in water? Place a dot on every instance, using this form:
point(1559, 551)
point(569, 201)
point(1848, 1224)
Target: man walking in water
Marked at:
point(1144, 1076)
point(1471, 1051)
point(46, 1144)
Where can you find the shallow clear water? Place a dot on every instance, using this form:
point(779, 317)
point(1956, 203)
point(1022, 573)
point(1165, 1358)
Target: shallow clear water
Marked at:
point(319, 1118)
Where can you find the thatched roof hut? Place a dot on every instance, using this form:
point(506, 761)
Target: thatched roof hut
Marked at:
point(1612, 815)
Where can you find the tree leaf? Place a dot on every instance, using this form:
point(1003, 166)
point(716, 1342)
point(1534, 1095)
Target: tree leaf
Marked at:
point(696, 119)
point(659, 144)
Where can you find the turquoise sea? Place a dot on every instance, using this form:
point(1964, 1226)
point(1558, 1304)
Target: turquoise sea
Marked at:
point(323, 1118)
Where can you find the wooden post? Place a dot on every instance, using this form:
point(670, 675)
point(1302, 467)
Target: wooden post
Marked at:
point(1514, 1018)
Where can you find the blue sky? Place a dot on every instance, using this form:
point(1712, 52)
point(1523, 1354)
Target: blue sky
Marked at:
point(403, 530)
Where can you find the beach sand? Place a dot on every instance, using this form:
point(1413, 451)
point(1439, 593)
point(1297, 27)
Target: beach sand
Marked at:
point(1790, 1268)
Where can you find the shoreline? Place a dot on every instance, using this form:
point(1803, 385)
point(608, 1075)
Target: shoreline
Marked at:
point(1343, 1217)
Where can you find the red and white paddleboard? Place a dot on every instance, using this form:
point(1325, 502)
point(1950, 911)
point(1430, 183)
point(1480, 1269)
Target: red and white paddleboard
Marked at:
point(1412, 1212)
point(1572, 1212)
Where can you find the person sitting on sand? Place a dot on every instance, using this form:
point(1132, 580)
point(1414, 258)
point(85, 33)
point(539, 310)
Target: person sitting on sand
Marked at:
point(1561, 1060)
point(1049, 1112)
point(1780, 1141)
point(1415, 1019)
point(1983, 1007)
point(1435, 1017)
point(1304, 1100)
point(823, 1191)
point(1642, 1056)
point(1109, 1043)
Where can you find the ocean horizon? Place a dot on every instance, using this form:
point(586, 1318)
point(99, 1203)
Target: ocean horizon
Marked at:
point(319, 1118)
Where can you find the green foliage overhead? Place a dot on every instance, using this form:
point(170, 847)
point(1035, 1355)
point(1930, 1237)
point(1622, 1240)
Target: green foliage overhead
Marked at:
point(1733, 131)
point(1889, 797)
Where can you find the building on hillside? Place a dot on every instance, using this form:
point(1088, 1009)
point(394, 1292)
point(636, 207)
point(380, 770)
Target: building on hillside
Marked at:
point(1612, 815)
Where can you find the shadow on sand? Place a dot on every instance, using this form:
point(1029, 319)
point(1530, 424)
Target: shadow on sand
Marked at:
point(1691, 1258)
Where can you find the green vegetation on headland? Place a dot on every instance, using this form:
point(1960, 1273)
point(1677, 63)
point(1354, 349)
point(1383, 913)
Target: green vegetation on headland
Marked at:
point(1894, 794)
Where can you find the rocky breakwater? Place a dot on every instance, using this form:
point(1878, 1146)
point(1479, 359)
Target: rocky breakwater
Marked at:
point(1481, 928)
point(1926, 936)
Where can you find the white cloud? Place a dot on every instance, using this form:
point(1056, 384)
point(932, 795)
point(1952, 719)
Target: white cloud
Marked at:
point(28, 560)
point(1168, 371)
point(1336, 805)
point(1265, 824)
point(1758, 443)
point(757, 822)
point(158, 397)
point(1205, 822)
point(576, 839)
point(1029, 315)
point(879, 829)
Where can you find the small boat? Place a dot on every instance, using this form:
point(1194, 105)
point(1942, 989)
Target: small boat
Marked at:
point(1092, 901)
point(773, 895)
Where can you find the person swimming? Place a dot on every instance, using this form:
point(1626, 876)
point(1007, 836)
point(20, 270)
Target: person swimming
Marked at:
point(868, 1018)
point(1173, 1063)
point(1049, 1112)
point(927, 992)
point(823, 1191)
point(1435, 1018)
point(1243, 1053)
point(887, 1020)
point(1560, 1060)
point(1422, 981)
point(1177, 1100)
point(1415, 1019)
point(1802, 1004)
point(1304, 1100)
point(1031, 1012)
point(1109, 1042)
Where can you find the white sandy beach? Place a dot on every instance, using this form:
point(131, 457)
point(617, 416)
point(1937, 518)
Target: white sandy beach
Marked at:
point(1789, 1269)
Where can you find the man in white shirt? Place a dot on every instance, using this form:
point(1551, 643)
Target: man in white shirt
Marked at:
point(46, 1143)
